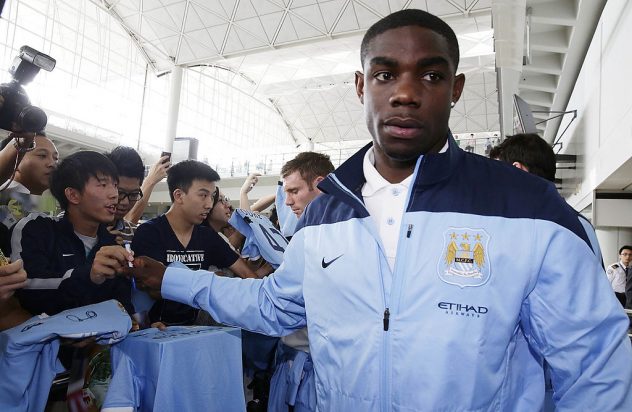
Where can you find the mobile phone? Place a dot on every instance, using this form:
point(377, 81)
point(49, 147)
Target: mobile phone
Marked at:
point(166, 154)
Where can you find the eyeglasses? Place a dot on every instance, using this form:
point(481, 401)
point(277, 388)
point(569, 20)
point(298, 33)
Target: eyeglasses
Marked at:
point(217, 198)
point(132, 196)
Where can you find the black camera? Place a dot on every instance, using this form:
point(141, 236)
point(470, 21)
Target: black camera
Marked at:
point(16, 112)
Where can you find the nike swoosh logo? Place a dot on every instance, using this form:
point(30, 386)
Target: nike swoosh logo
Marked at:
point(67, 254)
point(325, 264)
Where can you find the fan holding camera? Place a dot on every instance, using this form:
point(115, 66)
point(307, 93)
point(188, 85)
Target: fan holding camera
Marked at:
point(17, 115)
point(25, 124)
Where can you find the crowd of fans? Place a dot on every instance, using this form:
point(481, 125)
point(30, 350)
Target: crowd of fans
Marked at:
point(80, 255)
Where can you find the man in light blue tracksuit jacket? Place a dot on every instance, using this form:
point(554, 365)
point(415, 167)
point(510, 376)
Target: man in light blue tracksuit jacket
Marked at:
point(429, 316)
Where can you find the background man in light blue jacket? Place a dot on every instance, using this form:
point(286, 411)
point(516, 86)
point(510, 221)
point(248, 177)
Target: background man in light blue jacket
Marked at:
point(420, 266)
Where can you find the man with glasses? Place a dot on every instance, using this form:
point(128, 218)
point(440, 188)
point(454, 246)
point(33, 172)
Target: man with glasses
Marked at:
point(619, 274)
point(133, 197)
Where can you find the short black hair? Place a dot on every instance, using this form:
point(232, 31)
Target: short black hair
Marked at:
point(182, 175)
point(412, 17)
point(494, 153)
point(310, 165)
point(531, 150)
point(75, 171)
point(128, 162)
point(628, 247)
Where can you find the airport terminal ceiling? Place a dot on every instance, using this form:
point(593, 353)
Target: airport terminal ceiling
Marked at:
point(297, 57)
point(301, 54)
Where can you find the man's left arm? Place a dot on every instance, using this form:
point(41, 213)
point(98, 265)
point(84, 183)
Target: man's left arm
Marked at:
point(574, 320)
point(272, 306)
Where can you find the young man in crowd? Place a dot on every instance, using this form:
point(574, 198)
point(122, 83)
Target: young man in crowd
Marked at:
point(31, 179)
point(420, 264)
point(133, 189)
point(301, 176)
point(72, 261)
point(178, 236)
point(528, 152)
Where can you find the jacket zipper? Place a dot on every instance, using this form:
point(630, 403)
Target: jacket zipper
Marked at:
point(387, 315)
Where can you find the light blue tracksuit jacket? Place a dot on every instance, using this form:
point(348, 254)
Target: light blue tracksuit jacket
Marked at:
point(491, 263)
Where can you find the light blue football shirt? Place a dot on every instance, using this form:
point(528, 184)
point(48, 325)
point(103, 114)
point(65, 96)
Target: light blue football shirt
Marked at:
point(28, 352)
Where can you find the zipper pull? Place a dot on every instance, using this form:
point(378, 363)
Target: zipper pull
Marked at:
point(387, 315)
point(410, 230)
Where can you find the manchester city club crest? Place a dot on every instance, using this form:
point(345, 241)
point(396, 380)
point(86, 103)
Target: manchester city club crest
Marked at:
point(464, 261)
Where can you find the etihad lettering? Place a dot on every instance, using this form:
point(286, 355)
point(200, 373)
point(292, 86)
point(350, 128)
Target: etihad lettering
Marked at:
point(463, 309)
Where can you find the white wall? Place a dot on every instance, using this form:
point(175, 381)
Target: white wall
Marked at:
point(601, 136)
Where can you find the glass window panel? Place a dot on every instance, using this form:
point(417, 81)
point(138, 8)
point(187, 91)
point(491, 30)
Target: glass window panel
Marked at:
point(26, 37)
point(90, 50)
point(64, 36)
point(31, 18)
point(67, 13)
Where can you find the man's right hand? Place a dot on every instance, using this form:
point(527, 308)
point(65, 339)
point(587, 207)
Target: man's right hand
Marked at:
point(12, 277)
point(148, 273)
point(108, 262)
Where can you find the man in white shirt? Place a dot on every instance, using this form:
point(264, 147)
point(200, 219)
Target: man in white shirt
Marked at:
point(619, 272)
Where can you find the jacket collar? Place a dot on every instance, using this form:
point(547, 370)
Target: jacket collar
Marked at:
point(438, 167)
point(430, 169)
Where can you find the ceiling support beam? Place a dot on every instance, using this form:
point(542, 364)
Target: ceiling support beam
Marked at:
point(509, 23)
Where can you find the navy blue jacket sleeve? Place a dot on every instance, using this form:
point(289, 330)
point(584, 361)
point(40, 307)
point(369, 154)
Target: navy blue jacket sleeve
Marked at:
point(55, 282)
point(58, 270)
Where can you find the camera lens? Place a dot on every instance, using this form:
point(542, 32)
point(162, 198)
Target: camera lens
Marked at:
point(32, 119)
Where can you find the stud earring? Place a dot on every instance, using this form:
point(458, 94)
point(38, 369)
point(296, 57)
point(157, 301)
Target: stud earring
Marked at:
point(452, 104)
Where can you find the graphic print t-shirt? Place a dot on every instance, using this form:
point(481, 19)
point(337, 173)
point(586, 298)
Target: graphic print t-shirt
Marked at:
point(156, 239)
